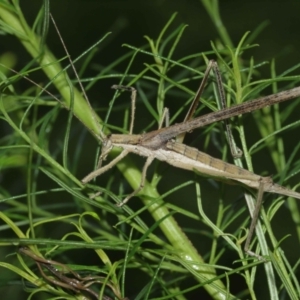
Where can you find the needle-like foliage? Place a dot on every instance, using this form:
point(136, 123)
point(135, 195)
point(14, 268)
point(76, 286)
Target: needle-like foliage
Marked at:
point(183, 235)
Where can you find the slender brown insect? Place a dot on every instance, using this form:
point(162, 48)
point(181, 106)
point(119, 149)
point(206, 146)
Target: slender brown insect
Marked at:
point(159, 144)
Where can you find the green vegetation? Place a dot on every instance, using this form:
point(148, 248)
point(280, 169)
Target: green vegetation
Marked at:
point(150, 249)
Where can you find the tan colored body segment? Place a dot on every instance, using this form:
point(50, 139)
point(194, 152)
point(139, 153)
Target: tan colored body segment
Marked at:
point(209, 165)
point(189, 158)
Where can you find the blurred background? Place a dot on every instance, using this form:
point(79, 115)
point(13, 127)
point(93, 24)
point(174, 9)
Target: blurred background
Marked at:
point(82, 23)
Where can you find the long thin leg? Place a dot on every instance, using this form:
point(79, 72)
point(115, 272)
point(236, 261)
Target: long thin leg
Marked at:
point(142, 183)
point(235, 152)
point(255, 220)
point(165, 118)
point(150, 158)
point(102, 170)
point(105, 150)
point(133, 101)
point(195, 102)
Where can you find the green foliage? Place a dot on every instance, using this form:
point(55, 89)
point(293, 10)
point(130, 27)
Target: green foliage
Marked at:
point(45, 149)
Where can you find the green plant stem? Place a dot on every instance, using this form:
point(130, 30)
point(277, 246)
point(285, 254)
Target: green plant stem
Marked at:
point(212, 8)
point(86, 115)
point(50, 66)
point(171, 229)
